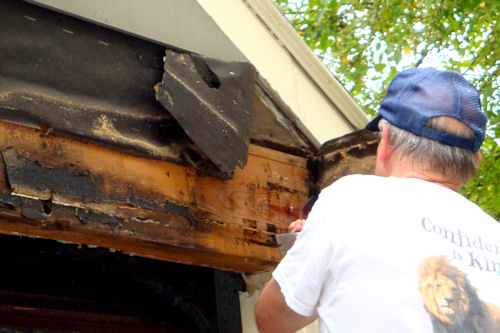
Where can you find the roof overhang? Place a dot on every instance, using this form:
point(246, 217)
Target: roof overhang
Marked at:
point(244, 30)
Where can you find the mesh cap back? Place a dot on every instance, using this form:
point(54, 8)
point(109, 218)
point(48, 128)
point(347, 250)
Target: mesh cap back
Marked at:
point(419, 94)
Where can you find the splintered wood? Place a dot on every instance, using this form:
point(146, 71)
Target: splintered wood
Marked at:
point(59, 188)
point(354, 153)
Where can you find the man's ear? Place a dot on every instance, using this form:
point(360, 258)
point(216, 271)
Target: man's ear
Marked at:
point(479, 158)
point(385, 149)
point(384, 153)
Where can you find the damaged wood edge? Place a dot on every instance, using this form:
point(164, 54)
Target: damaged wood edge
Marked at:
point(201, 90)
point(220, 238)
point(92, 161)
point(29, 178)
point(20, 172)
point(11, 225)
point(354, 153)
point(360, 138)
point(155, 227)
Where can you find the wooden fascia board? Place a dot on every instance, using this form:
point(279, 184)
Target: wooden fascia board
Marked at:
point(59, 188)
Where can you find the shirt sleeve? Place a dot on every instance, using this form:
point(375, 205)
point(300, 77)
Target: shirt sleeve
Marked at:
point(303, 270)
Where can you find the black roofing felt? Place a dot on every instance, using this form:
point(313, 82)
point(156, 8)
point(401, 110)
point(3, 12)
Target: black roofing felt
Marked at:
point(75, 78)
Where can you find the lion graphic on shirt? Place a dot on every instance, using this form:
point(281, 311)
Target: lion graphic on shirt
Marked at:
point(451, 300)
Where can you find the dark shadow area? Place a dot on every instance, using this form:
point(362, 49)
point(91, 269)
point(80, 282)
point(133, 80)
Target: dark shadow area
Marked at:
point(47, 286)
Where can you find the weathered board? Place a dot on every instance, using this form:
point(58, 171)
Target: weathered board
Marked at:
point(97, 85)
point(354, 153)
point(59, 188)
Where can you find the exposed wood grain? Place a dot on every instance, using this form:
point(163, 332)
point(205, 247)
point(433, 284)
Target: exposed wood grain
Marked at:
point(128, 244)
point(266, 195)
point(59, 188)
point(277, 156)
point(354, 153)
point(162, 180)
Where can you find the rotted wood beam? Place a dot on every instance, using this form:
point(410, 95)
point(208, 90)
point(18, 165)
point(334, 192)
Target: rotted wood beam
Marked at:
point(353, 153)
point(63, 189)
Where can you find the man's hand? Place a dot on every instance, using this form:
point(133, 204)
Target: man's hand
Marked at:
point(296, 225)
point(273, 315)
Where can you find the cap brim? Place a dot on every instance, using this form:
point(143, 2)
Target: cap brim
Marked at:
point(373, 124)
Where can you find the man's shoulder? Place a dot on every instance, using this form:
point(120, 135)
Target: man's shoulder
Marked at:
point(351, 188)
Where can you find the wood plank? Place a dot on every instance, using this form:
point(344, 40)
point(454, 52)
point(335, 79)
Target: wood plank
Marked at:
point(278, 156)
point(134, 240)
point(60, 188)
point(353, 153)
point(120, 172)
point(266, 195)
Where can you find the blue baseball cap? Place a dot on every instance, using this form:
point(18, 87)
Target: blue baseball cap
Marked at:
point(418, 94)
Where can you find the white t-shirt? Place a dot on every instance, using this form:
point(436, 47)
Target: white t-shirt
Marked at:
point(393, 255)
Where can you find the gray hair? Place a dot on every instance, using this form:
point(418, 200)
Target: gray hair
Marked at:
point(458, 163)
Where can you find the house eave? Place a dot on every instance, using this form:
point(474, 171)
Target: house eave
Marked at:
point(309, 62)
point(245, 30)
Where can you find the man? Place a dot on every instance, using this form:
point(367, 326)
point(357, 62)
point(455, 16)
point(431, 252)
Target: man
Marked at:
point(400, 251)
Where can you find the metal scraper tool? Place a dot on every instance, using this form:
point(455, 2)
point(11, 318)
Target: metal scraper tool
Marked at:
point(285, 241)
